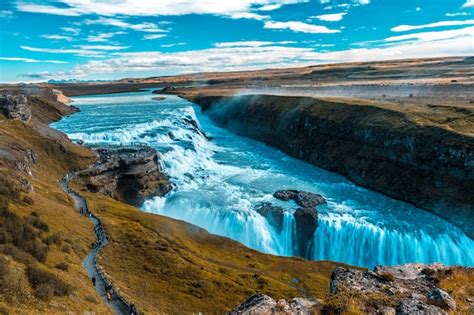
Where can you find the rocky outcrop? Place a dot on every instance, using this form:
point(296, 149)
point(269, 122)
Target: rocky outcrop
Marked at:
point(127, 173)
point(302, 198)
point(412, 306)
point(15, 107)
point(306, 217)
point(441, 299)
point(274, 214)
point(261, 304)
point(402, 154)
point(412, 287)
point(306, 220)
point(60, 97)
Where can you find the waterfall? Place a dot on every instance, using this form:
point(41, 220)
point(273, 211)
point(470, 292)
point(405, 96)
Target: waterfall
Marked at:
point(218, 182)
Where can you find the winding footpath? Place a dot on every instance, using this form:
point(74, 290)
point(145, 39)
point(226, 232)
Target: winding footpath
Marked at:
point(118, 304)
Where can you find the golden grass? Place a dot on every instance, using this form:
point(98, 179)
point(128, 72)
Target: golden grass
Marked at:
point(459, 283)
point(56, 210)
point(173, 267)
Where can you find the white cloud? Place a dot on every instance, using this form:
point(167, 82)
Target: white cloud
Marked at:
point(440, 35)
point(72, 30)
point(249, 15)
point(153, 36)
point(242, 58)
point(270, 7)
point(47, 9)
point(251, 44)
point(103, 37)
point(233, 8)
point(297, 26)
point(404, 28)
point(58, 37)
point(29, 60)
point(468, 4)
point(458, 14)
point(81, 50)
point(102, 47)
point(140, 27)
point(5, 14)
point(172, 45)
point(333, 17)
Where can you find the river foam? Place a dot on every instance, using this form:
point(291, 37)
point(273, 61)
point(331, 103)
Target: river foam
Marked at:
point(219, 181)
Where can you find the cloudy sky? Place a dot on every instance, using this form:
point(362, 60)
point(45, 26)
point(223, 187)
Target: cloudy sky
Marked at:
point(112, 39)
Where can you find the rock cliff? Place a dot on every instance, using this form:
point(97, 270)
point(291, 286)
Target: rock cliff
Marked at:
point(15, 107)
point(400, 153)
point(126, 173)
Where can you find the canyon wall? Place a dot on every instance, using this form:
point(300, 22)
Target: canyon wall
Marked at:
point(401, 154)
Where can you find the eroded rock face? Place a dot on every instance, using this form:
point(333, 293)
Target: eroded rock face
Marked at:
point(415, 286)
point(15, 107)
point(427, 166)
point(274, 214)
point(306, 220)
point(127, 173)
point(261, 304)
point(306, 217)
point(302, 198)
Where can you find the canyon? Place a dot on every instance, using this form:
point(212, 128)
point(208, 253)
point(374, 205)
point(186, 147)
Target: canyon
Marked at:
point(178, 161)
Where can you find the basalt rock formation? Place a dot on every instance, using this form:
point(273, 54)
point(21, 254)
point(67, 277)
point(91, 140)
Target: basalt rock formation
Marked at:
point(402, 152)
point(274, 214)
point(127, 173)
point(15, 107)
point(306, 217)
point(302, 198)
point(306, 220)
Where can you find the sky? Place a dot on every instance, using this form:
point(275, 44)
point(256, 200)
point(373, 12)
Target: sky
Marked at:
point(113, 39)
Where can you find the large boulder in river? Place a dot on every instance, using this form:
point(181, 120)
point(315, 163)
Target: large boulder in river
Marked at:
point(306, 220)
point(261, 304)
point(274, 214)
point(302, 198)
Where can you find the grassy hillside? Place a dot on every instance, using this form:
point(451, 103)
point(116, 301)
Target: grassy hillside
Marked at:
point(42, 239)
point(174, 267)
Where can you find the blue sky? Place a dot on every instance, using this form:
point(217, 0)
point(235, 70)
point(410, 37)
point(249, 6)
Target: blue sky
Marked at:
point(112, 39)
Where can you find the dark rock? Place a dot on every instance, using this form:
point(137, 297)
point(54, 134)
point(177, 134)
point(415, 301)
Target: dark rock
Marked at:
point(307, 199)
point(274, 214)
point(306, 220)
point(127, 173)
point(168, 89)
point(15, 107)
point(302, 198)
point(441, 299)
point(411, 306)
point(285, 195)
point(159, 98)
point(262, 304)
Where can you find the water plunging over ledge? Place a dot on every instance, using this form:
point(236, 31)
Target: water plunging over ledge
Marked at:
point(219, 181)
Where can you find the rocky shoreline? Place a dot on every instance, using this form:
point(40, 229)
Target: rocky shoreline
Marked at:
point(383, 149)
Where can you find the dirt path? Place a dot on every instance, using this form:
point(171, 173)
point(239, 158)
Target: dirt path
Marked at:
point(118, 304)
